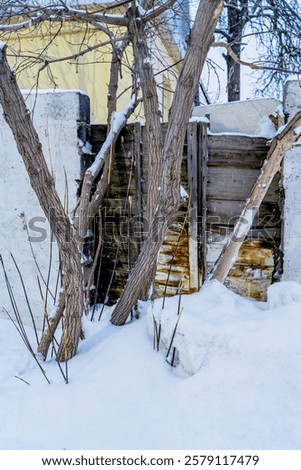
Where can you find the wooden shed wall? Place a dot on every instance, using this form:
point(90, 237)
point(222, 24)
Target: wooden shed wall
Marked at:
point(234, 163)
point(122, 222)
point(218, 172)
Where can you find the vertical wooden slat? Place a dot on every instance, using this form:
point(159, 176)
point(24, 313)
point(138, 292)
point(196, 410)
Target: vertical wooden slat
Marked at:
point(192, 171)
point(138, 185)
point(202, 198)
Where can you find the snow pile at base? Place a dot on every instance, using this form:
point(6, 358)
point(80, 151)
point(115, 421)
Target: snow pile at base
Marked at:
point(123, 395)
point(284, 294)
point(216, 322)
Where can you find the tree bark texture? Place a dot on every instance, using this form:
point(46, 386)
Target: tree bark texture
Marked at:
point(115, 72)
point(19, 120)
point(52, 324)
point(144, 72)
point(169, 183)
point(279, 147)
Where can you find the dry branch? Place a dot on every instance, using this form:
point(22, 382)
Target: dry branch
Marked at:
point(59, 14)
point(256, 65)
point(89, 205)
point(52, 324)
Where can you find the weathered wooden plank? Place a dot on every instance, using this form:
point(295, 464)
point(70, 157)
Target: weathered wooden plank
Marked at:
point(170, 291)
point(223, 212)
point(249, 271)
point(138, 183)
point(235, 184)
point(252, 252)
point(173, 263)
point(184, 173)
point(252, 288)
point(230, 184)
point(167, 263)
point(202, 201)
point(193, 186)
point(173, 279)
point(238, 159)
point(98, 133)
point(219, 234)
point(236, 142)
point(234, 162)
point(144, 168)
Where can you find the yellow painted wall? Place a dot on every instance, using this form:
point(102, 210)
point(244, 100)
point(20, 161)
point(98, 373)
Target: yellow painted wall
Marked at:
point(90, 73)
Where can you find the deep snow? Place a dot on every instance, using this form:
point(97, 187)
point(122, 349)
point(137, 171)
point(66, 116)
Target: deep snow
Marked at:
point(123, 395)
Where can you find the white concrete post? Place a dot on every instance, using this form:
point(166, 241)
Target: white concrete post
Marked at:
point(56, 118)
point(291, 226)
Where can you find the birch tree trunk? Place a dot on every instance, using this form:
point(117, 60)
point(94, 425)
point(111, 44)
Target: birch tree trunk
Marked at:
point(18, 118)
point(280, 145)
point(169, 184)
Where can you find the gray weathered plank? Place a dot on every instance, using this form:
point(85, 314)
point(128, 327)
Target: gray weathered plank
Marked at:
point(193, 185)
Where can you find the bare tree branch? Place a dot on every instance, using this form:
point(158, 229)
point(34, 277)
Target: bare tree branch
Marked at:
point(89, 207)
point(59, 14)
point(275, 25)
point(157, 11)
point(253, 65)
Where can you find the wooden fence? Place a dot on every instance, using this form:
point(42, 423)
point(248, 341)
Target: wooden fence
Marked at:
point(218, 172)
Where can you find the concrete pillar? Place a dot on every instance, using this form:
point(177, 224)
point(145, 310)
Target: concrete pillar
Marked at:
point(56, 117)
point(291, 226)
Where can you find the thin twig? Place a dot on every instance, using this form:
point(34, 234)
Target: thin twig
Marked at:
point(252, 65)
point(20, 378)
point(18, 323)
point(22, 215)
point(26, 298)
point(174, 333)
point(27, 344)
point(157, 334)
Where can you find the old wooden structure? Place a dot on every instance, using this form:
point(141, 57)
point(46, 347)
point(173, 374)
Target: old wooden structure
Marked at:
point(218, 172)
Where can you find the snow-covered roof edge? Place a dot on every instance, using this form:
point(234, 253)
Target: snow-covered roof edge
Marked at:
point(178, 23)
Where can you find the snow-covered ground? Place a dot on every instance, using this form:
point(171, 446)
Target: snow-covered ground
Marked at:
point(123, 395)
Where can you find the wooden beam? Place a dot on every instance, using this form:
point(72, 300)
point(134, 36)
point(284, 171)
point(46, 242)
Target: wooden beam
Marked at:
point(202, 202)
point(192, 173)
point(138, 185)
